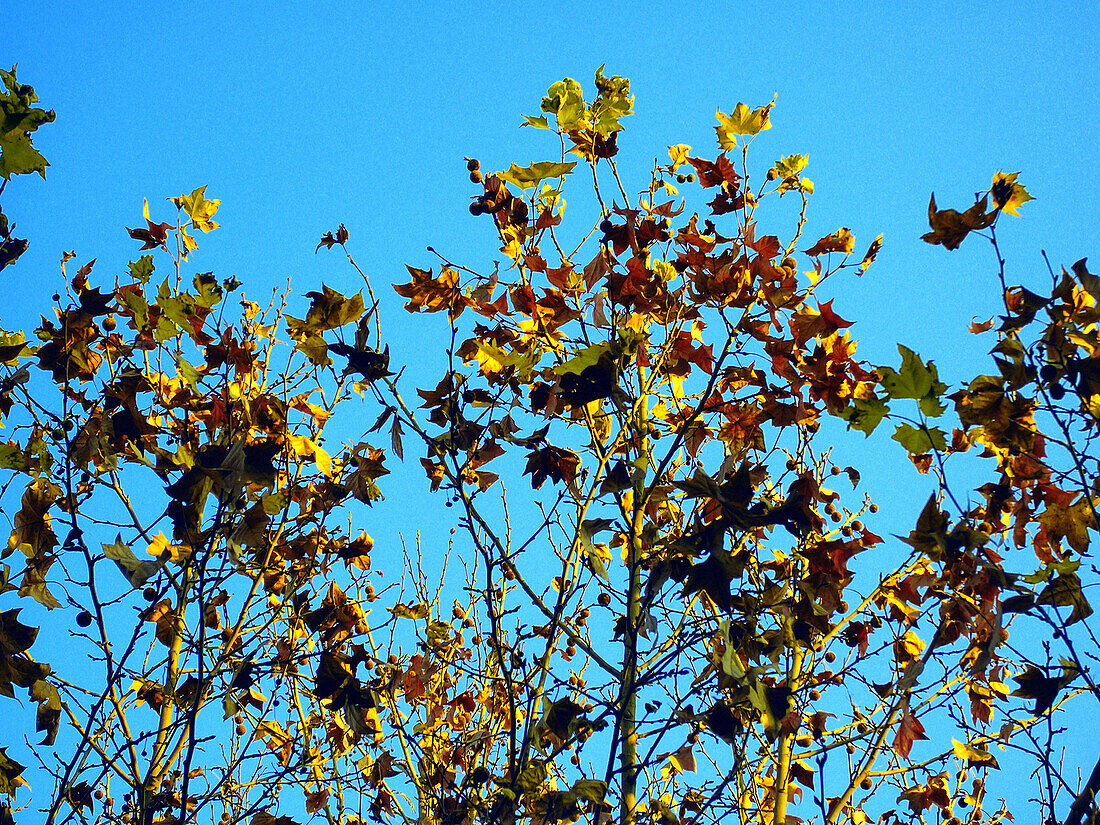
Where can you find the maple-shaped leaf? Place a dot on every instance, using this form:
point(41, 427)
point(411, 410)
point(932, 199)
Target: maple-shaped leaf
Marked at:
point(950, 227)
point(1008, 194)
point(551, 462)
point(914, 379)
point(973, 756)
point(561, 715)
point(1036, 684)
point(198, 208)
point(155, 235)
point(10, 771)
point(840, 241)
point(329, 240)
point(329, 309)
point(18, 119)
point(909, 731)
point(1065, 591)
point(742, 121)
point(679, 155)
point(1070, 522)
point(137, 571)
point(264, 818)
point(368, 363)
point(528, 177)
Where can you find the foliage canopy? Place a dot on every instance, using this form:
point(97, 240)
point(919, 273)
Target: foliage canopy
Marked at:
point(663, 599)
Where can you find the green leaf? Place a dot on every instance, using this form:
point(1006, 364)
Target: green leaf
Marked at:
point(142, 269)
point(536, 122)
point(565, 101)
point(915, 379)
point(18, 118)
point(918, 441)
point(864, 414)
point(528, 177)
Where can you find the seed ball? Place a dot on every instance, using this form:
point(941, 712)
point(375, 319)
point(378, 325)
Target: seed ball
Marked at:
point(476, 177)
point(691, 177)
point(84, 618)
point(772, 174)
point(604, 599)
point(857, 525)
point(830, 656)
point(149, 594)
point(681, 178)
point(109, 323)
point(789, 263)
point(815, 695)
point(240, 730)
point(473, 165)
point(56, 297)
point(866, 784)
point(834, 470)
point(873, 508)
point(606, 226)
point(476, 208)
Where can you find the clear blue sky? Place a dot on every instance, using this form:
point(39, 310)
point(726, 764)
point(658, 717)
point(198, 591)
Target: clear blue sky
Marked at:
point(300, 117)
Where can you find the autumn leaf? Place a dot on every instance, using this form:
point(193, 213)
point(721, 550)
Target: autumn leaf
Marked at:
point(1008, 194)
point(972, 756)
point(18, 119)
point(871, 254)
point(679, 155)
point(950, 227)
point(199, 209)
point(840, 241)
point(528, 177)
point(909, 731)
point(137, 571)
point(742, 121)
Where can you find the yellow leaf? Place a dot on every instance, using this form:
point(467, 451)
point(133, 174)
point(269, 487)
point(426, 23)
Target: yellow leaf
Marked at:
point(683, 759)
point(160, 546)
point(1008, 195)
point(743, 121)
point(678, 154)
point(973, 756)
point(872, 252)
point(323, 461)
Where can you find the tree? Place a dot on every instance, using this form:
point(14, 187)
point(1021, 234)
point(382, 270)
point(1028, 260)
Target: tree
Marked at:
point(663, 609)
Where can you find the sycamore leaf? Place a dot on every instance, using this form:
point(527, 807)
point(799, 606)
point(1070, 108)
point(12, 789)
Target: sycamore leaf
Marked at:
point(871, 254)
point(840, 241)
point(914, 379)
point(679, 155)
point(587, 357)
point(950, 227)
point(742, 121)
point(137, 571)
point(918, 441)
point(683, 760)
point(528, 177)
point(791, 165)
point(1008, 195)
point(198, 208)
point(909, 731)
point(864, 414)
point(973, 756)
point(535, 122)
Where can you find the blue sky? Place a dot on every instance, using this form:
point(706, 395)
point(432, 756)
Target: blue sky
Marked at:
point(302, 117)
